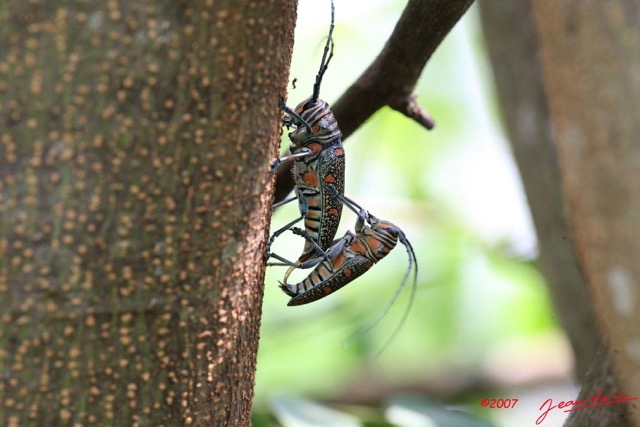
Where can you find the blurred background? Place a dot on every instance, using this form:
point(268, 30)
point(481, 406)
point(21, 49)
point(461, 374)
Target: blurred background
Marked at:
point(481, 325)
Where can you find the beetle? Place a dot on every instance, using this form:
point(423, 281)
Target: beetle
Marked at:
point(319, 160)
point(350, 257)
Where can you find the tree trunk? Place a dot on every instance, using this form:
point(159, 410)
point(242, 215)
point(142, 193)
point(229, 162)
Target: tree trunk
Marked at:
point(514, 52)
point(136, 192)
point(591, 58)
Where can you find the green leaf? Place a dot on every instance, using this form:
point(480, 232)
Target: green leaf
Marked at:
point(411, 411)
point(296, 412)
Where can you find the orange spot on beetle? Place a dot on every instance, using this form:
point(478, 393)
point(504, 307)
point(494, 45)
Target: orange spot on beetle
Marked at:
point(346, 272)
point(339, 152)
point(310, 179)
point(312, 215)
point(338, 261)
point(358, 247)
point(315, 148)
point(333, 212)
point(304, 257)
point(315, 129)
point(330, 178)
point(327, 290)
point(373, 243)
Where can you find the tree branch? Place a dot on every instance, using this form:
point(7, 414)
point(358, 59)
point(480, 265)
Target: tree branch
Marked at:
point(391, 78)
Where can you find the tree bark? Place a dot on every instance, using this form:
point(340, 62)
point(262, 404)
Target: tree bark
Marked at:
point(136, 193)
point(590, 55)
point(600, 380)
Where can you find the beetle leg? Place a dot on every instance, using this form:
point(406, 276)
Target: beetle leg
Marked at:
point(356, 208)
point(304, 153)
point(284, 202)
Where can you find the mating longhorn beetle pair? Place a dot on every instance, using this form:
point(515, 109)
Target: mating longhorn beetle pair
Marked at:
point(318, 170)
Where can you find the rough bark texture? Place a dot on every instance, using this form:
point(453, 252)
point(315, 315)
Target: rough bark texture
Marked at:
point(135, 147)
point(601, 381)
point(591, 58)
point(392, 77)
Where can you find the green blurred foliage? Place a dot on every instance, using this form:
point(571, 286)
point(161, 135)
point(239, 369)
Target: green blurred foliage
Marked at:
point(455, 193)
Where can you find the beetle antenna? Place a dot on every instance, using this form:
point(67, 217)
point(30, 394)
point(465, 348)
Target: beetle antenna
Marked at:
point(412, 262)
point(328, 50)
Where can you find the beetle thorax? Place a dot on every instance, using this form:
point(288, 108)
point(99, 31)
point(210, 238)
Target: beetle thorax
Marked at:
point(318, 115)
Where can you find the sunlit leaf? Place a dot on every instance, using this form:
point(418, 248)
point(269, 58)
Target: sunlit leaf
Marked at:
point(409, 411)
point(296, 412)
